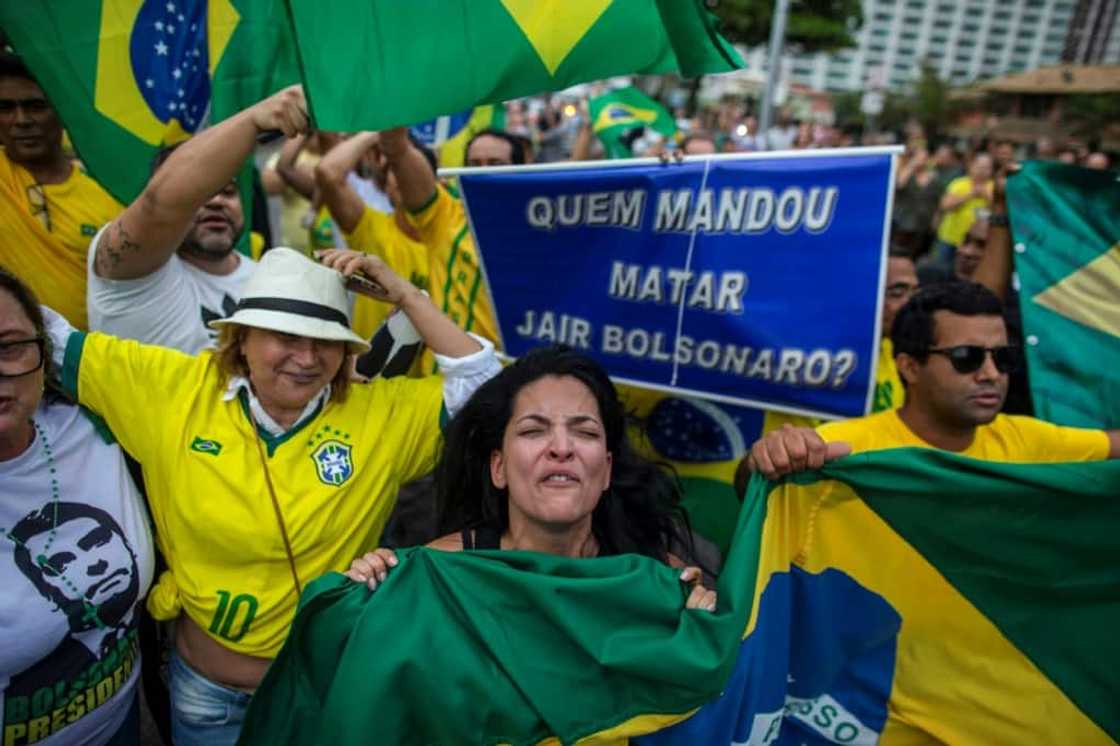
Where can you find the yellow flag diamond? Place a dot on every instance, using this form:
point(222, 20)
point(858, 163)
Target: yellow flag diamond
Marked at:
point(617, 113)
point(554, 27)
point(1089, 295)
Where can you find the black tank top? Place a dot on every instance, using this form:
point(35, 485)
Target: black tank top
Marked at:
point(481, 537)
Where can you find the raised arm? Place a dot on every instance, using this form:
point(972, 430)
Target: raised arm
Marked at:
point(415, 179)
point(345, 204)
point(951, 201)
point(581, 147)
point(440, 333)
point(148, 232)
point(301, 178)
point(994, 269)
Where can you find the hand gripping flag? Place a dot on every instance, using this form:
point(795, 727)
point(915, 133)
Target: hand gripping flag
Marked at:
point(894, 597)
point(428, 58)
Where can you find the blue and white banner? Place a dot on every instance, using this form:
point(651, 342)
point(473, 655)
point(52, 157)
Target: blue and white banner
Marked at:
point(752, 280)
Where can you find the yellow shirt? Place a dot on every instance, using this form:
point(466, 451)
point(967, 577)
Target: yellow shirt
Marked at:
point(294, 208)
point(955, 224)
point(1009, 438)
point(888, 386)
point(51, 261)
point(322, 232)
point(336, 478)
point(456, 278)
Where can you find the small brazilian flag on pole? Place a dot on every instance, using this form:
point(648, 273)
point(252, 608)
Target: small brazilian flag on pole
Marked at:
point(1066, 229)
point(616, 114)
point(128, 77)
point(372, 65)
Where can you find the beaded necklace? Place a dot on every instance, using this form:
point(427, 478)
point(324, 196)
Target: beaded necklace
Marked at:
point(89, 610)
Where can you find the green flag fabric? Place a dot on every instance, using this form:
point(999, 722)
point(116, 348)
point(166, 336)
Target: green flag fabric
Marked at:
point(130, 76)
point(619, 112)
point(900, 596)
point(1066, 226)
point(372, 65)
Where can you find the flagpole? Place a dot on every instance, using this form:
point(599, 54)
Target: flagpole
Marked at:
point(777, 37)
point(525, 168)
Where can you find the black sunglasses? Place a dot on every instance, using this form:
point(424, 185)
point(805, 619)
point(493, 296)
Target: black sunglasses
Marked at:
point(969, 358)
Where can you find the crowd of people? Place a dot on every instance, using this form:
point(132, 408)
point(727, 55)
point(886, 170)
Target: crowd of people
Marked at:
point(193, 433)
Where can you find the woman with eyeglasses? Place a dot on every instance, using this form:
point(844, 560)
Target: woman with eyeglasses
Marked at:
point(75, 553)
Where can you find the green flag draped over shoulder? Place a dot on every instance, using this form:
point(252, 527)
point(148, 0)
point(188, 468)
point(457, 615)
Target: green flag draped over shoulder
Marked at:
point(1066, 224)
point(902, 596)
point(619, 112)
point(371, 64)
point(130, 76)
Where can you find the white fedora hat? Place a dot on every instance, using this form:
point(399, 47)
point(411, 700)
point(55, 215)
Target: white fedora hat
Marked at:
point(292, 294)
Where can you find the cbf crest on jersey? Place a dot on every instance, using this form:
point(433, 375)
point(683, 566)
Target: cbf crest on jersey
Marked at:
point(333, 463)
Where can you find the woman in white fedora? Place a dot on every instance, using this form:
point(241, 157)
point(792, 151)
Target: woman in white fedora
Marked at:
point(264, 467)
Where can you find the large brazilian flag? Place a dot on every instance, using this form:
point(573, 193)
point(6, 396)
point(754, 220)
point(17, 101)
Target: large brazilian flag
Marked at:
point(130, 76)
point(1066, 224)
point(374, 64)
point(894, 597)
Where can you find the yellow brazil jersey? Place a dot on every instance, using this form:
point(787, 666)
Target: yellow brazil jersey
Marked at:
point(1009, 438)
point(336, 478)
point(456, 279)
point(46, 233)
point(888, 386)
point(956, 223)
point(377, 233)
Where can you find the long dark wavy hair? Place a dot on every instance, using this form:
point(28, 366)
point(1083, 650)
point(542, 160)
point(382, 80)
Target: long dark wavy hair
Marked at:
point(639, 513)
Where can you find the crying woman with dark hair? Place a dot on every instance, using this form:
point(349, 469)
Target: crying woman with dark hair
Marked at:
point(538, 460)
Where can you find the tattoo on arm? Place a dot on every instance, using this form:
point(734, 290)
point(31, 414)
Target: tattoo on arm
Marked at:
point(114, 248)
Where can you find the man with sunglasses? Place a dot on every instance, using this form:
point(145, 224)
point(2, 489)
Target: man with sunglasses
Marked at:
point(49, 208)
point(950, 344)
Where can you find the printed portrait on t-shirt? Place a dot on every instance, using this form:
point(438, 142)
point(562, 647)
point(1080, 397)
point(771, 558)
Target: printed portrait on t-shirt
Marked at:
point(78, 558)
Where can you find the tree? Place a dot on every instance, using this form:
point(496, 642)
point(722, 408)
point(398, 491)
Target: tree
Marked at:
point(927, 101)
point(813, 26)
point(1089, 115)
point(931, 104)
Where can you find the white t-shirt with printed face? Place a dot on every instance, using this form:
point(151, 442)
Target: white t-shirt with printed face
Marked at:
point(169, 307)
point(68, 668)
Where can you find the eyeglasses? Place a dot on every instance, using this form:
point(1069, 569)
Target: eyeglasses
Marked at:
point(37, 198)
point(969, 358)
point(21, 356)
point(901, 290)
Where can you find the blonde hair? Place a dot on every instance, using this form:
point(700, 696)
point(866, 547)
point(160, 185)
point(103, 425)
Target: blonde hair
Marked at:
point(232, 362)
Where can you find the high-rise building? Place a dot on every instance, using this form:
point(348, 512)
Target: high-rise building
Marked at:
point(962, 40)
point(1094, 33)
